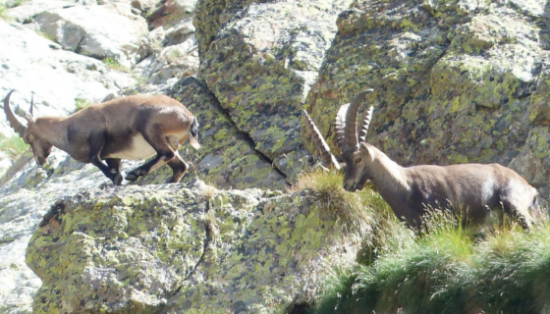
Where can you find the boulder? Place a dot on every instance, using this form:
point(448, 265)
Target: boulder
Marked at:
point(261, 64)
point(170, 64)
point(169, 249)
point(94, 31)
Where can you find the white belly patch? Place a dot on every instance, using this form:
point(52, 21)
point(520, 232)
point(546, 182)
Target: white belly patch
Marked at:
point(138, 150)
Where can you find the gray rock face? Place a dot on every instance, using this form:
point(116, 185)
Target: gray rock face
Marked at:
point(262, 64)
point(161, 248)
point(94, 31)
point(170, 64)
point(35, 66)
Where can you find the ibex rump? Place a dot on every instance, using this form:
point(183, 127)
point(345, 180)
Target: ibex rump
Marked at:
point(471, 189)
point(132, 127)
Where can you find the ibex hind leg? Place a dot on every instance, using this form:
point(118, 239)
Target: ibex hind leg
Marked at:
point(519, 210)
point(160, 144)
point(179, 167)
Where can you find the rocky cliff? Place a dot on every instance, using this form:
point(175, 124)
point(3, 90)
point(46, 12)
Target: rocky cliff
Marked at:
point(455, 81)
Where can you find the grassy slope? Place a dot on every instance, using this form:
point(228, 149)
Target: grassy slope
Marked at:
point(444, 269)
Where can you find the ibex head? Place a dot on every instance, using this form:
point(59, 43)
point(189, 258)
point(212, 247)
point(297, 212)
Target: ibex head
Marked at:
point(31, 134)
point(355, 152)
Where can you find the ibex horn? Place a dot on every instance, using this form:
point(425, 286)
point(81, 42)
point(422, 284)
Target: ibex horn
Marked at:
point(320, 143)
point(14, 122)
point(340, 125)
point(365, 127)
point(351, 139)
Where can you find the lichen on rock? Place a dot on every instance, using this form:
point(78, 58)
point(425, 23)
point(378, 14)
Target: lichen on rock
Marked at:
point(276, 49)
point(169, 249)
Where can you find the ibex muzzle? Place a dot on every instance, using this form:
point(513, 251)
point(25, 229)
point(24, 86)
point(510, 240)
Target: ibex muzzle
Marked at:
point(133, 127)
point(467, 189)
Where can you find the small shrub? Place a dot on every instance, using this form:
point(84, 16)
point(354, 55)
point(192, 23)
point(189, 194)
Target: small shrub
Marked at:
point(113, 64)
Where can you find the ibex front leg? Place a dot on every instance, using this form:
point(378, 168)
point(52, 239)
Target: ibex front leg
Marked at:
point(156, 138)
point(111, 170)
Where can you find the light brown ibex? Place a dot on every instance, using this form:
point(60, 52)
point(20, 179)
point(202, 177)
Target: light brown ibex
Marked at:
point(132, 127)
point(468, 189)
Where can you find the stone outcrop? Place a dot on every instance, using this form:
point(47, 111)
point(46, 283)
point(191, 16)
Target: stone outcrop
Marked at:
point(455, 81)
point(261, 64)
point(94, 31)
point(168, 249)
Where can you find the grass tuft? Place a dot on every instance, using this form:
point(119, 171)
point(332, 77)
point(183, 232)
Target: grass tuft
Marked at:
point(13, 146)
point(445, 268)
point(348, 211)
point(113, 64)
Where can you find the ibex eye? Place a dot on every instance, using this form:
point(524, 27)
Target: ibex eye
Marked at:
point(358, 160)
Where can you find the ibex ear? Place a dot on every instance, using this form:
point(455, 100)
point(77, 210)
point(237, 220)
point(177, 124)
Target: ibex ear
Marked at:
point(366, 149)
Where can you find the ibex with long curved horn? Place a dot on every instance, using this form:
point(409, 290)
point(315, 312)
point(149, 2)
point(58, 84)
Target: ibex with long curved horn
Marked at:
point(470, 189)
point(133, 127)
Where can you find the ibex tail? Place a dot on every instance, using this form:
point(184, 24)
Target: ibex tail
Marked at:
point(194, 138)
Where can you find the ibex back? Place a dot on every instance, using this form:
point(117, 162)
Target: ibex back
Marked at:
point(468, 189)
point(132, 127)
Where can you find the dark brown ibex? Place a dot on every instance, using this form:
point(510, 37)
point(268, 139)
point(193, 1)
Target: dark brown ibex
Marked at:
point(470, 189)
point(132, 127)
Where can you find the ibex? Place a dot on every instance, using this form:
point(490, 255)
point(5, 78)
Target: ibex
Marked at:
point(468, 189)
point(132, 127)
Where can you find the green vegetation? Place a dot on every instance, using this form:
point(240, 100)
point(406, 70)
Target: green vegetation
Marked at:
point(13, 146)
point(113, 64)
point(173, 55)
point(348, 210)
point(447, 269)
point(48, 36)
point(81, 103)
point(3, 12)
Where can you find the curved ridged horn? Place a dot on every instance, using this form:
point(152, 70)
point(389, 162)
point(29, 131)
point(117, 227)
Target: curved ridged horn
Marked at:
point(365, 126)
point(351, 140)
point(320, 143)
point(340, 124)
point(14, 122)
point(27, 115)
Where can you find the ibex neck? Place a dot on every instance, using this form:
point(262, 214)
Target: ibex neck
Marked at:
point(389, 178)
point(54, 130)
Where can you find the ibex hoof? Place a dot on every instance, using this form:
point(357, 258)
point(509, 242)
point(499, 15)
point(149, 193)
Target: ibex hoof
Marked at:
point(135, 174)
point(131, 176)
point(117, 180)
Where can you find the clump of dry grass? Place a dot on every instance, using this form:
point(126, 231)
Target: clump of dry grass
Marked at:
point(347, 211)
